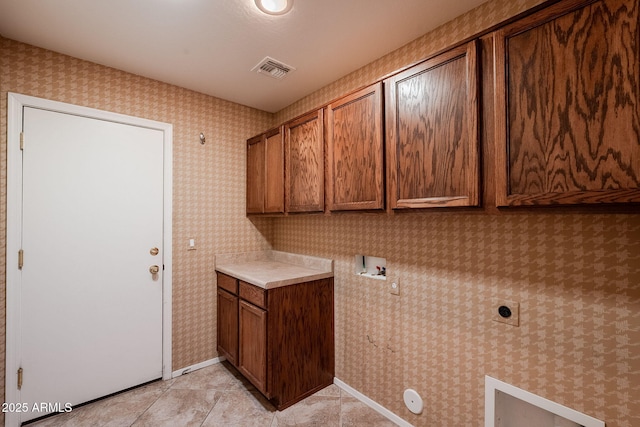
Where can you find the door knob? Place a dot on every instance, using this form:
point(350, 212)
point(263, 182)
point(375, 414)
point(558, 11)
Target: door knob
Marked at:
point(154, 251)
point(154, 269)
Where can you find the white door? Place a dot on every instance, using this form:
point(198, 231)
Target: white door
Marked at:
point(91, 310)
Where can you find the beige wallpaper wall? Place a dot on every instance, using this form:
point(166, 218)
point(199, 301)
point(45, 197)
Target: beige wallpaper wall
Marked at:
point(208, 182)
point(575, 275)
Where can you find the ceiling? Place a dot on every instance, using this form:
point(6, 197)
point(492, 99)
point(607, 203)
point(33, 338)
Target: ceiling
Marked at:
point(210, 46)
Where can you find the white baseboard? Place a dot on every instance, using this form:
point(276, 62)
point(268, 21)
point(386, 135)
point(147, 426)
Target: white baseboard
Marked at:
point(372, 404)
point(197, 366)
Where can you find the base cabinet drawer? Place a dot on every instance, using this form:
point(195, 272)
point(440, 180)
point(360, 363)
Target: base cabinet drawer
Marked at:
point(255, 295)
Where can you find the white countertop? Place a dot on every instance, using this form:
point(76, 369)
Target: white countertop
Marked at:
point(272, 269)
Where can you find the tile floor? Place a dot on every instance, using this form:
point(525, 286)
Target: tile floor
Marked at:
point(216, 396)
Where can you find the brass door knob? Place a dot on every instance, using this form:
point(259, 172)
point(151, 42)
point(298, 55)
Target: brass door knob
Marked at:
point(154, 251)
point(154, 269)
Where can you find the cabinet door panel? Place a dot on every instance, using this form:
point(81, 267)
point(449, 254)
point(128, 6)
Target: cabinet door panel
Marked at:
point(355, 151)
point(568, 105)
point(302, 339)
point(305, 163)
point(255, 174)
point(432, 132)
point(227, 329)
point(253, 345)
point(274, 173)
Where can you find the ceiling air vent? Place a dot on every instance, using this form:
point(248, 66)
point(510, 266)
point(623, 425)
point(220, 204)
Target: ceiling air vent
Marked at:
point(273, 68)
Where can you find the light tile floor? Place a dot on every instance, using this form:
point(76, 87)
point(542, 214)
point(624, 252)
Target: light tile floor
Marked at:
point(216, 396)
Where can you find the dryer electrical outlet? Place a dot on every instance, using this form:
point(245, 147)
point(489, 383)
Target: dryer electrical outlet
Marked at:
point(505, 311)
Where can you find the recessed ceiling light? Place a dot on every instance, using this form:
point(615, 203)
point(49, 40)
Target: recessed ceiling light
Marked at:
point(274, 7)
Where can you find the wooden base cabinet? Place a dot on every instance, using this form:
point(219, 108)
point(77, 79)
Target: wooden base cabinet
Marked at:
point(227, 317)
point(252, 334)
point(228, 325)
point(285, 337)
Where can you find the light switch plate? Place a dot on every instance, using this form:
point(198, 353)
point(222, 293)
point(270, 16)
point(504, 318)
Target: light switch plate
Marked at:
point(394, 288)
point(506, 311)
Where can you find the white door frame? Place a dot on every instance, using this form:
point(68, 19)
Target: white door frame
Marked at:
point(16, 103)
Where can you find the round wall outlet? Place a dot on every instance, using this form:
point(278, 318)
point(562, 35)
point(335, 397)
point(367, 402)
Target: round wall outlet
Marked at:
point(504, 311)
point(413, 401)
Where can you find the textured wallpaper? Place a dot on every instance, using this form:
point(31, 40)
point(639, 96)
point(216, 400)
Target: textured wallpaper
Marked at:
point(208, 182)
point(575, 275)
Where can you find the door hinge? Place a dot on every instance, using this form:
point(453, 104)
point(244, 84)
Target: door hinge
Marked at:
point(19, 378)
point(20, 259)
point(21, 140)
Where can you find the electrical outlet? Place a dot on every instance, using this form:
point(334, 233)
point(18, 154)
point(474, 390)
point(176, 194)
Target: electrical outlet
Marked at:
point(506, 312)
point(394, 288)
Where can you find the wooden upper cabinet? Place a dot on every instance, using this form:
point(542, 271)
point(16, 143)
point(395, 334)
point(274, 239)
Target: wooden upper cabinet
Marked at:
point(305, 163)
point(255, 174)
point(265, 173)
point(355, 151)
point(274, 172)
point(567, 101)
point(432, 132)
